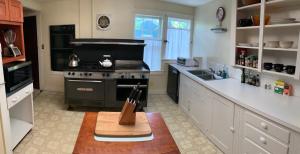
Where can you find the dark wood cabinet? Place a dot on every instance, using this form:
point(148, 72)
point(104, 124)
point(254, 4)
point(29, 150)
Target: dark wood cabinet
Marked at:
point(4, 11)
point(15, 11)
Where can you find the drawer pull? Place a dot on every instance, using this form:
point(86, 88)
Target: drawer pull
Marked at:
point(232, 129)
point(14, 100)
point(264, 125)
point(263, 140)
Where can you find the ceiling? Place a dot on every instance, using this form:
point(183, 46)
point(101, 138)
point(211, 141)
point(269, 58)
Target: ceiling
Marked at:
point(193, 3)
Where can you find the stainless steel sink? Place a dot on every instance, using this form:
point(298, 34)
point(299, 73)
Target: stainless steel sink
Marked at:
point(204, 74)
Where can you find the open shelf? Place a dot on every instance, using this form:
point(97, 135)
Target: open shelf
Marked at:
point(247, 47)
point(249, 27)
point(282, 3)
point(19, 129)
point(282, 49)
point(250, 7)
point(249, 68)
point(278, 73)
point(12, 59)
point(283, 25)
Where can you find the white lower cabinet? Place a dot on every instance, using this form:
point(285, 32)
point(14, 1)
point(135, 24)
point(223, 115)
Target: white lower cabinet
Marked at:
point(195, 102)
point(222, 128)
point(233, 129)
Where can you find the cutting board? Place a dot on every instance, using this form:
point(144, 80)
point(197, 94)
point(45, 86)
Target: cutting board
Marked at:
point(108, 126)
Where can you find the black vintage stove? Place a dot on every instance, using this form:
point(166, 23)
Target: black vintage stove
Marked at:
point(92, 85)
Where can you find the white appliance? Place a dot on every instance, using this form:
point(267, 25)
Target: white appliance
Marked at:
point(189, 62)
point(4, 115)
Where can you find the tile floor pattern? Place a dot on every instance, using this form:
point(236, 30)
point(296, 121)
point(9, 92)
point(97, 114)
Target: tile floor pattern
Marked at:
point(56, 129)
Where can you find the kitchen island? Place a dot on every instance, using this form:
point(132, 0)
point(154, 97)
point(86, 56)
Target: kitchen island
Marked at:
point(162, 142)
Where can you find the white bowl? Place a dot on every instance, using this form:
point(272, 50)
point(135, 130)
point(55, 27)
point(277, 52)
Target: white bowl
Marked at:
point(272, 44)
point(286, 44)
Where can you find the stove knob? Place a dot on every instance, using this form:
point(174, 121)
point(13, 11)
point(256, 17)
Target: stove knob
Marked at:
point(143, 76)
point(80, 74)
point(103, 74)
point(107, 74)
point(69, 73)
point(122, 76)
point(73, 73)
point(90, 74)
point(132, 76)
point(86, 74)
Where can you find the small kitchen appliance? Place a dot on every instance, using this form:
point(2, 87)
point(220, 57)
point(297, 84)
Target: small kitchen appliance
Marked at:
point(10, 38)
point(74, 61)
point(188, 62)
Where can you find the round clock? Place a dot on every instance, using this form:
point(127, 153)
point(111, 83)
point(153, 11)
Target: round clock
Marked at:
point(220, 14)
point(103, 22)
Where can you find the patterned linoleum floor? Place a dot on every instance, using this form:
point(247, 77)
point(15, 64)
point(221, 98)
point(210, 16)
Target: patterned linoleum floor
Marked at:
point(56, 129)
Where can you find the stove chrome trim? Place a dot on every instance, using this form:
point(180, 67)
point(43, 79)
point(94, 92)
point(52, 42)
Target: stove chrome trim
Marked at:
point(86, 81)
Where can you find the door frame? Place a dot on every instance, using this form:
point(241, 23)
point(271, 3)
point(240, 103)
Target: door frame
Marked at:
point(37, 14)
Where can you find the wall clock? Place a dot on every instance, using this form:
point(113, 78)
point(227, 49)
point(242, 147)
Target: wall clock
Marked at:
point(103, 22)
point(220, 14)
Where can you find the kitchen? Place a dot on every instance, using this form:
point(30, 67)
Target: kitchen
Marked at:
point(235, 91)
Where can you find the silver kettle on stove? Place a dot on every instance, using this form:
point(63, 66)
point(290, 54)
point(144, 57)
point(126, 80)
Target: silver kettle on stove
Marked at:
point(74, 60)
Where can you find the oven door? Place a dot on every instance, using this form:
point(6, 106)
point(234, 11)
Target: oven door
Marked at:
point(125, 86)
point(85, 92)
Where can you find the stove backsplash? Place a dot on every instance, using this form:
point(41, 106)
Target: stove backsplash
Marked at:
point(94, 52)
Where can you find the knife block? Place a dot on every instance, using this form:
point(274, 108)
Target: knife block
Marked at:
point(127, 116)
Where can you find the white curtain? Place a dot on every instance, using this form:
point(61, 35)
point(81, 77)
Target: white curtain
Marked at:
point(152, 54)
point(178, 43)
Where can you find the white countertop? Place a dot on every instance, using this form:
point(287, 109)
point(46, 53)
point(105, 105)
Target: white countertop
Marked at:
point(284, 110)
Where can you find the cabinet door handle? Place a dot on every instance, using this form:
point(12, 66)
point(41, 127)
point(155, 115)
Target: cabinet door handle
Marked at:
point(232, 129)
point(14, 100)
point(263, 140)
point(264, 125)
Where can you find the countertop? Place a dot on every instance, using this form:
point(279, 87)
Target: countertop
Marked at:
point(284, 110)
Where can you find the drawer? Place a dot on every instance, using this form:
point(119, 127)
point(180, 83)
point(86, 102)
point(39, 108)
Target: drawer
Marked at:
point(19, 96)
point(268, 127)
point(265, 141)
point(249, 147)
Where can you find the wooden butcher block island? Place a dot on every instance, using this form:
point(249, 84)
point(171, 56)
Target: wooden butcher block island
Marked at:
point(161, 143)
point(108, 126)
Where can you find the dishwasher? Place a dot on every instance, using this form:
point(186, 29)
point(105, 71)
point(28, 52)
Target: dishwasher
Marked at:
point(173, 83)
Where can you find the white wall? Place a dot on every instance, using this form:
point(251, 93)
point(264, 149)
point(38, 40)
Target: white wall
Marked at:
point(212, 46)
point(83, 13)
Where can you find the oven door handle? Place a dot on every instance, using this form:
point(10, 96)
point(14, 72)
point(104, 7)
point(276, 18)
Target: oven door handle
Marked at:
point(131, 86)
point(86, 81)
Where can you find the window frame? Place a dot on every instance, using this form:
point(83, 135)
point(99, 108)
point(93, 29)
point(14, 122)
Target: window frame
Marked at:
point(164, 21)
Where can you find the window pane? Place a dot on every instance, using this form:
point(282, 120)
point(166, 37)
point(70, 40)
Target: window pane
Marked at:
point(179, 38)
point(177, 23)
point(149, 29)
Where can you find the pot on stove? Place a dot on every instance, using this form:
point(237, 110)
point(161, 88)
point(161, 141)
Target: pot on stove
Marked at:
point(106, 63)
point(74, 60)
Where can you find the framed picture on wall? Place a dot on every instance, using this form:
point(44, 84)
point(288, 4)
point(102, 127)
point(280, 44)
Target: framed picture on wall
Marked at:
point(103, 22)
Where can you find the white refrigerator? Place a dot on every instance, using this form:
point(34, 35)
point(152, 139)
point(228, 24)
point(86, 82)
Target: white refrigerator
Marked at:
point(4, 114)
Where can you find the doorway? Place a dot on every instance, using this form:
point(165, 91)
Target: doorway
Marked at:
point(31, 47)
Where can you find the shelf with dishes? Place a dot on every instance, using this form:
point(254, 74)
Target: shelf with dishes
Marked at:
point(279, 69)
point(255, 6)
